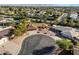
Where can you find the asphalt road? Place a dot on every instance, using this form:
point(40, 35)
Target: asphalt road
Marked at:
point(37, 45)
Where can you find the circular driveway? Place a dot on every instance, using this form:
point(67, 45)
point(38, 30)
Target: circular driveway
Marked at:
point(37, 45)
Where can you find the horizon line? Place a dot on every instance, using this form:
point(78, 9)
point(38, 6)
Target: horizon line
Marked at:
point(72, 5)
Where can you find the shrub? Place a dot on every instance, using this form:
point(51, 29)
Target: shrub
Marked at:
point(64, 44)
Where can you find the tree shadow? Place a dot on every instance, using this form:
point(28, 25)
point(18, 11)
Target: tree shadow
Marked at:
point(66, 52)
point(44, 51)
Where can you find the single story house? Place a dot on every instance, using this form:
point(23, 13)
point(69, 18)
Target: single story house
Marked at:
point(59, 29)
point(71, 34)
point(74, 15)
point(4, 34)
point(67, 32)
point(4, 31)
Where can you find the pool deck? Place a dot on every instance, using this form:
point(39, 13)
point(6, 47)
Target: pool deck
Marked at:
point(14, 45)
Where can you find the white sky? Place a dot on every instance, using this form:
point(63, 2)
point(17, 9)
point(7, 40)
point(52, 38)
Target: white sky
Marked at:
point(39, 1)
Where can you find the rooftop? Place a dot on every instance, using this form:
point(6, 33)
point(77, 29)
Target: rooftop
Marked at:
point(62, 28)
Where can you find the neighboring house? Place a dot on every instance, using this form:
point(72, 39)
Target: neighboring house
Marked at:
point(5, 18)
point(4, 34)
point(5, 27)
point(30, 14)
point(60, 28)
point(3, 21)
point(71, 34)
point(9, 19)
point(74, 15)
point(67, 32)
point(5, 31)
